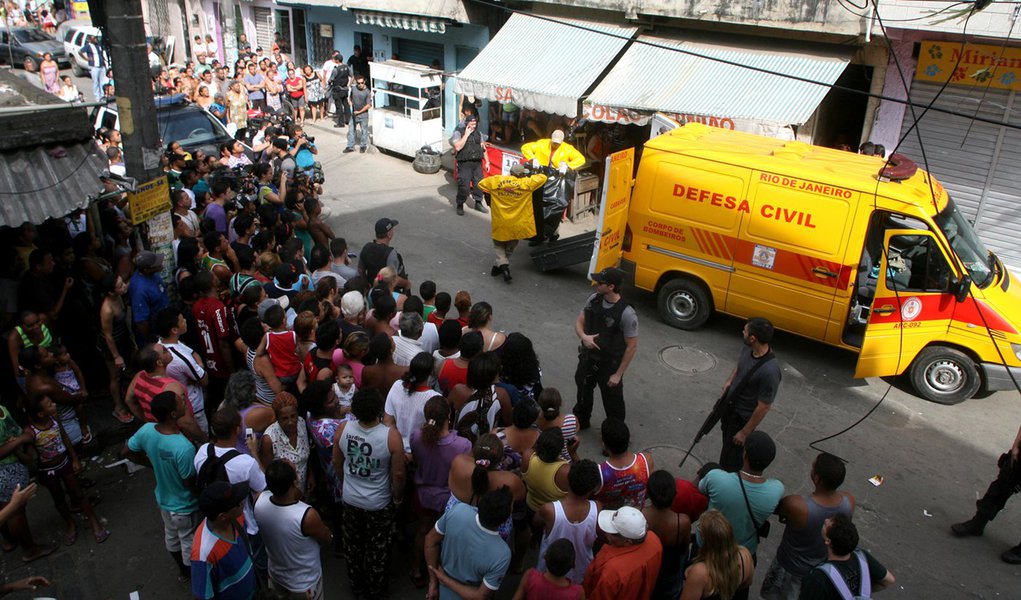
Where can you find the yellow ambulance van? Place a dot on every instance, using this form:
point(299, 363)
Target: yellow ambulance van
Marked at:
point(827, 246)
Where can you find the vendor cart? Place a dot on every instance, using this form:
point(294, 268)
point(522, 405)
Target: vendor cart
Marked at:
point(407, 107)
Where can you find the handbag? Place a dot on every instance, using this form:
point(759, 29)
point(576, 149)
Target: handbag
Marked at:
point(761, 531)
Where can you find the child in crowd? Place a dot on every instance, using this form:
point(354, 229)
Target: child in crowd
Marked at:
point(58, 464)
point(551, 584)
point(69, 376)
point(344, 389)
point(439, 313)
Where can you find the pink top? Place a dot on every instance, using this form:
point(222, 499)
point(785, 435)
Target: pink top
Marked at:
point(538, 587)
point(356, 365)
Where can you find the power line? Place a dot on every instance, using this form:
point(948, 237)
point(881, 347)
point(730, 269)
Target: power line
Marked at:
point(765, 71)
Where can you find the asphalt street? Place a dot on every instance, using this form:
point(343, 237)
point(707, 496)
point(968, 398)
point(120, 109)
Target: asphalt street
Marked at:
point(934, 460)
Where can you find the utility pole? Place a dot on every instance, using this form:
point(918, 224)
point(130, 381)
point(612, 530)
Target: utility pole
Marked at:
point(124, 36)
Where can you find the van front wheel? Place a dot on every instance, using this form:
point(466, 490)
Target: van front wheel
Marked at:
point(944, 375)
point(684, 304)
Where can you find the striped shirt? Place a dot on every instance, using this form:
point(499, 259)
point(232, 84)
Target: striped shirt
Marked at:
point(221, 569)
point(146, 388)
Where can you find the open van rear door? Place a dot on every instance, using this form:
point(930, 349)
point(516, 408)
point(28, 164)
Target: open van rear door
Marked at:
point(613, 210)
point(913, 305)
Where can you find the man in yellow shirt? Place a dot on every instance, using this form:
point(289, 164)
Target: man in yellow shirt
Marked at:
point(559, 160)
point(510, 199)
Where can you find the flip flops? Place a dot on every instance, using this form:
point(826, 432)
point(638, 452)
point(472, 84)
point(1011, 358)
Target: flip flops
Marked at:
point(102, 536)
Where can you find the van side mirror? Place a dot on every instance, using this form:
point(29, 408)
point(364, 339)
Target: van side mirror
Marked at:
point(962, 288)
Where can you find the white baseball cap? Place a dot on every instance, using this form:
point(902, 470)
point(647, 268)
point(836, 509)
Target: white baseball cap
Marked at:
point(627, 522)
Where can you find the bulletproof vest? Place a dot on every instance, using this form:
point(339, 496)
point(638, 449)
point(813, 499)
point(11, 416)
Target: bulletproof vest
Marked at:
point(606, 324)
point(472, 149)
point(374, 257)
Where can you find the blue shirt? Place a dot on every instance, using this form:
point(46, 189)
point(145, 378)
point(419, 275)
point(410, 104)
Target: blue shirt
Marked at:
point(724, 491)
point(173, 461)
point(148, 296)
point(470, 553)
point(221, 569)
point(254, 80)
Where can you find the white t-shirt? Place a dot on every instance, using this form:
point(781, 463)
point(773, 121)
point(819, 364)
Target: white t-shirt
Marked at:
point(240, 468)
point(408, 410)
point(187, 371)
point(197, 49)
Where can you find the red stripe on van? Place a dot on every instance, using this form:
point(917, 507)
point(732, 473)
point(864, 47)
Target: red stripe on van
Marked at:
point(703, 243)
point(727, 249)
point(795, 265)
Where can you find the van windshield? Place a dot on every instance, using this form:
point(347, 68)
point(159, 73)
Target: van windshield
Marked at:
point(979, 261)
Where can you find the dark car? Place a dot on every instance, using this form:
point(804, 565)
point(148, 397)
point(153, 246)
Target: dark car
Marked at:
point(188, 124)
point(26, 46)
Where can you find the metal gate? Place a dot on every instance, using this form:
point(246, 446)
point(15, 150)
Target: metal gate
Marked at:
point(159, 18)
point(414, 51)
point(264, 26)
point(976, 162)
point(322, 46)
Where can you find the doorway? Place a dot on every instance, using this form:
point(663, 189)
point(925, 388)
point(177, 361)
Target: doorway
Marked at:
point(840, 117)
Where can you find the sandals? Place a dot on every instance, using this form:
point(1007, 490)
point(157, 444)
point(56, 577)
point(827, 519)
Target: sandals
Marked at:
point(43, 551)
point(102, 536)
point(71, 538)
point(123, 417)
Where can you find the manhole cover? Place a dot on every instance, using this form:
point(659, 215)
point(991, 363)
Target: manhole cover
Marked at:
point(687, 361)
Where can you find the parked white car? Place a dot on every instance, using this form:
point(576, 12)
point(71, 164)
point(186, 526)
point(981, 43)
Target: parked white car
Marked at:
point(72, 34)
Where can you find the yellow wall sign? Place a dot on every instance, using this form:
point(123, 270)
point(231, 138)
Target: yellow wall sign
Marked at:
point(149, 199)
point(970, 64)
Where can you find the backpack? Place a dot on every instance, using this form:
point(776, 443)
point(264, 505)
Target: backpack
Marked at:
point(215, 467)
point(864, 590)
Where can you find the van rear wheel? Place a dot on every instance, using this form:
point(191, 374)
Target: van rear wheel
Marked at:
point(945, 375)
point(684, 304)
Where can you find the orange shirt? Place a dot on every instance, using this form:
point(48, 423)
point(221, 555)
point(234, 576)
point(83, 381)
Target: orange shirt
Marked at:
point(624, 572)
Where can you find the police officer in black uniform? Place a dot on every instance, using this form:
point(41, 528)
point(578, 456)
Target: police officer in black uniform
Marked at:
point(379, 253)
point(469, 150)
point(1006, 484)
point(608, 330)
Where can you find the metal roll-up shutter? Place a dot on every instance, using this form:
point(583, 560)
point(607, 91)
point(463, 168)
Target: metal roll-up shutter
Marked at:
point(976, 162)
point(1001, 211)
point(414, 51)
point(264, 27)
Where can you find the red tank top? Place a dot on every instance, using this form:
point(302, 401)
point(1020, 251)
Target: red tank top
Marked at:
point(146, 388)
point(282, 347)
point(451, 375)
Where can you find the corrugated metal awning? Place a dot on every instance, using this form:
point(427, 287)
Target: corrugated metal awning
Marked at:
point(543, 64)
point(35, 186)
point(400, 21)
point(657, 78)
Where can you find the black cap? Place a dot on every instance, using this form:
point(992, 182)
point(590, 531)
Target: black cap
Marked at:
point(219, 497)
point(384, 225)
point(760, 448)
point(610, 275)
point(471, 118)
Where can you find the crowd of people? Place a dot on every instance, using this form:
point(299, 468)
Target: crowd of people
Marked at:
point(289, 397)
point(293, 397)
